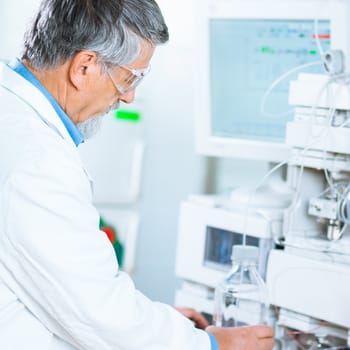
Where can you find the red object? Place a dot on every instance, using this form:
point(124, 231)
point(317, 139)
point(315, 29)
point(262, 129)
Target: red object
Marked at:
point(322, 36)
point(109, 231)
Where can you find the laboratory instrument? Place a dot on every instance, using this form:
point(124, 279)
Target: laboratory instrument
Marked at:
point(273, 86)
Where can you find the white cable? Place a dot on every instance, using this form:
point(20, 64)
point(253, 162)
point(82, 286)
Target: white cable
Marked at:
point(277, 81)
point(296, 198)
point(324, 152)
point(282, 77)
point(252, 194)
point(317, 38)
point(314, 115)
point(341, 210)
point(318, 43)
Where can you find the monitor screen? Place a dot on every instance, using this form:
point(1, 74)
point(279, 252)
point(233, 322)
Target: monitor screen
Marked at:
point(245, 57)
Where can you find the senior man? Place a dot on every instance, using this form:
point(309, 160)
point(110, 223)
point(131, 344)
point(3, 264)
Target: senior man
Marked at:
point(60, 286)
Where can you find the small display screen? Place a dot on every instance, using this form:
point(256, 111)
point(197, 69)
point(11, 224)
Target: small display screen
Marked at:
point(218, 247)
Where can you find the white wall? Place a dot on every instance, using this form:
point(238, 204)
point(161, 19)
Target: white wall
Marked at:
point(172, 170)
point(14, 18)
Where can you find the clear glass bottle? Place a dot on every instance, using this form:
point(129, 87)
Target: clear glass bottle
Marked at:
point(241, 298)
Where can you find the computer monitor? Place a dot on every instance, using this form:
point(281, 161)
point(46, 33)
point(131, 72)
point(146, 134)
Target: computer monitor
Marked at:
point(243, 47)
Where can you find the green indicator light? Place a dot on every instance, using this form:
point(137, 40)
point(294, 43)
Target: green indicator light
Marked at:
point(313, 52)
point(301, 35)
point(130, 116)
point(267, 49)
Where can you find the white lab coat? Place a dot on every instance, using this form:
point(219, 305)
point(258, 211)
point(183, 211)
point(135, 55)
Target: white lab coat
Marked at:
point(60, 286)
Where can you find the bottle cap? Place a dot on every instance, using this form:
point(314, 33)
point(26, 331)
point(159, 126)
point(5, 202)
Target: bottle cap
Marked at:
point(245, 253)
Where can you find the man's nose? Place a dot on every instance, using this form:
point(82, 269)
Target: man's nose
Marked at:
point(128, 97)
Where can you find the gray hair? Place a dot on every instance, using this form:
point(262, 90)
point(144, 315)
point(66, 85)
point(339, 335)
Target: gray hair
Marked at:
point(114, 29)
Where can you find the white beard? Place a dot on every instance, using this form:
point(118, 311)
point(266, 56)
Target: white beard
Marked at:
point(91, 126)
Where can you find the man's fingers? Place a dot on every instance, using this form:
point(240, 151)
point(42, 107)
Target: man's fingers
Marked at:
point(263, 331)
point(266, 343)
point(196, 317)
point(200, 321)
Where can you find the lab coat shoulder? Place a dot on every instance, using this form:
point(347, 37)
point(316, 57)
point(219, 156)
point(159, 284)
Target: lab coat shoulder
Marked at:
point(28, 123)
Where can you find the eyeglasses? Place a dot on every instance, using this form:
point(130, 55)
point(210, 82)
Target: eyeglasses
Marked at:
point(130, 79)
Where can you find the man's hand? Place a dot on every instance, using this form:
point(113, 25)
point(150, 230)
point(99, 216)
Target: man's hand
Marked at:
point(243, 338)
point(199, 320)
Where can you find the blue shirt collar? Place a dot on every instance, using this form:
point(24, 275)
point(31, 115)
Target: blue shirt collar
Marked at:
point(73, 131)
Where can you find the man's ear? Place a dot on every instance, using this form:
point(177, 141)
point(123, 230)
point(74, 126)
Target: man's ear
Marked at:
point(82, 69)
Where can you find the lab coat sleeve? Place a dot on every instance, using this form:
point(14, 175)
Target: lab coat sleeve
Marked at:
point(65, 270)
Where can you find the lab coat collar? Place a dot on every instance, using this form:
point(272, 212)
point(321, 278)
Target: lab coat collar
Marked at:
point(73, 131)
point(34, 98)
